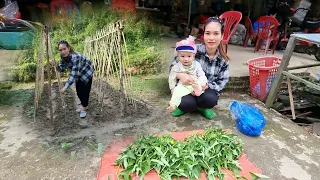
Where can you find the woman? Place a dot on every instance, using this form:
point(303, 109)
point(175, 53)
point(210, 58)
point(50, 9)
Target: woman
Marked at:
point(81, 73)
point(214, 62)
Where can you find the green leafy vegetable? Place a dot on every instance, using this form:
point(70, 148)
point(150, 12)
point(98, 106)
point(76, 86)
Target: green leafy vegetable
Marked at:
point(211, 151)
point(256, 176)
point(100, 149)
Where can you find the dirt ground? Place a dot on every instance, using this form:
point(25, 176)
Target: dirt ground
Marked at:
point(41, 150)
point(68, 147)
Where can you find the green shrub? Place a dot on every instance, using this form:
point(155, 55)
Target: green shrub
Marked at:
point(27, 72)
point(27, 63)
point(141, 36)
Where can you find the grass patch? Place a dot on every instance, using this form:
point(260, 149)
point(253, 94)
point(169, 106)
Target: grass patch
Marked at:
point(142, 86)
point(14, 93)
point(6, 113)
point(150, 84)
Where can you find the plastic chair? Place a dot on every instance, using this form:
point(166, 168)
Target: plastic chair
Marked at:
point(231, 20)
point(123, 6)
point(62, 7)
point(249, 31)
point(267, 30)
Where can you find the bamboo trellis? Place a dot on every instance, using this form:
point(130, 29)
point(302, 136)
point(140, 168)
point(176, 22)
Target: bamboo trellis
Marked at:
point(45, 53)
point(108, 52)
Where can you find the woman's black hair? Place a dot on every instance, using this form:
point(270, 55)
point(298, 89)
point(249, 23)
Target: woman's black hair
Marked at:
point(215, 19)
point(67, 44)
point(220, 21)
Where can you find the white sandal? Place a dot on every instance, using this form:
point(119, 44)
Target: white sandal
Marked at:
point(83, 114)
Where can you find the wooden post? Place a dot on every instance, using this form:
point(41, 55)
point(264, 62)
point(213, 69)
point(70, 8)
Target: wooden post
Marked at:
point(299, 79)
point(48, 71)
point(36, 90)
point(122, 92)
point(189, 15)
point(291, 98)
point(303, 66)
point(39, 75)
point(283, 66)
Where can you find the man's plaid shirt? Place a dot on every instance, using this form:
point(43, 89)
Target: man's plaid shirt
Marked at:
point(216, 70)
point(81, 68)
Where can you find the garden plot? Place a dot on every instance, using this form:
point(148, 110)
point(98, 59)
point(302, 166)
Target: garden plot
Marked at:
point(111, 97)
point(66, 121)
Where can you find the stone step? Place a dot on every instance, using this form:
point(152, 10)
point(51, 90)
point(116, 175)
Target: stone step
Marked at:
point(242, 84)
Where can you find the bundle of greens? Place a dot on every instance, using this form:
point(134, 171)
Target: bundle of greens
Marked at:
point(211, 152)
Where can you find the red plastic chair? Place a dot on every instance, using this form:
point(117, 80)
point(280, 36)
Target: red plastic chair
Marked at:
point(123, 6)
point(63, 7)
point(268, 32)
point(231, 20)
point(249, 31)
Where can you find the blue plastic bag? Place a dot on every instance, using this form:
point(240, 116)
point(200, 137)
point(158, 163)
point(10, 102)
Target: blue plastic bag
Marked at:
point(250, 120)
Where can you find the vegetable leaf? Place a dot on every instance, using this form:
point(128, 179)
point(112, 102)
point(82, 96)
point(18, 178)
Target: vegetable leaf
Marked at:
point(256, 176)
point(211, 151)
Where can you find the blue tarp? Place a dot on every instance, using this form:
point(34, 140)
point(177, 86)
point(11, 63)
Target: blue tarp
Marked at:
point(16, 40)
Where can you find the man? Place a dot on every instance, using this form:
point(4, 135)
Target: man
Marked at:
point(273, 13)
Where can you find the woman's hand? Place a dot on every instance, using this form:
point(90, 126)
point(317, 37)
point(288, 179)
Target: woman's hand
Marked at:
point(54, 63)
point(172, 90)
point(185, 79)
point(63, 90)
point(204, 87)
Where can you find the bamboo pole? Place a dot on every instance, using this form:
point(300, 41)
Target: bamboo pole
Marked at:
point(291, 98)
point(122, 91)
point(115, 47)
point(36, 89)
point(108, 56)
point(49, 72)
point(57, 73)
point(62, 97)
point(128, 80)
point(106, 62)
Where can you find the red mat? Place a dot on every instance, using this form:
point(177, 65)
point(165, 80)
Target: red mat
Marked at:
point(108, 171)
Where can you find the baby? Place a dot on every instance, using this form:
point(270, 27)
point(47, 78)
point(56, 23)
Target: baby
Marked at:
point(186, 50)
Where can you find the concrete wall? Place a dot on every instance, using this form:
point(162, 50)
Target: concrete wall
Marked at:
point(8, 61)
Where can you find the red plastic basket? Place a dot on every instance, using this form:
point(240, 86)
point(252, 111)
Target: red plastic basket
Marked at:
point(262, 71)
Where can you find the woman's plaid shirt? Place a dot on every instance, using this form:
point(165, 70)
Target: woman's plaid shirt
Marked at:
point(81, 69)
